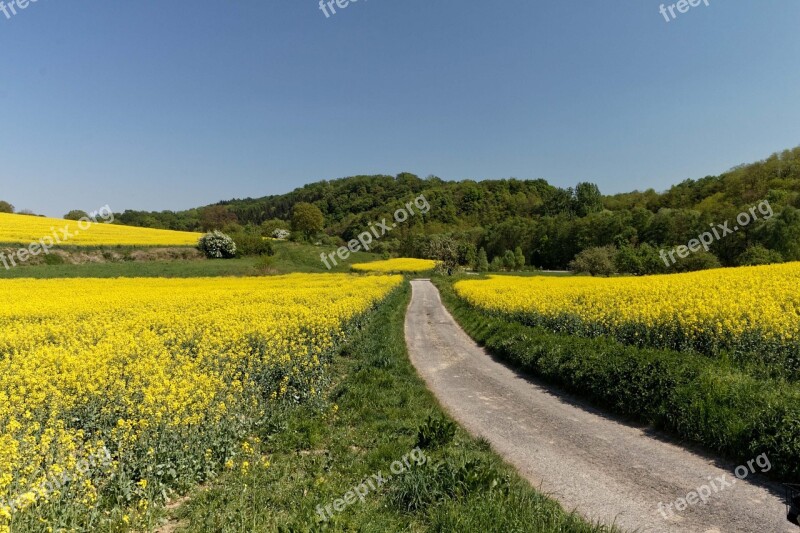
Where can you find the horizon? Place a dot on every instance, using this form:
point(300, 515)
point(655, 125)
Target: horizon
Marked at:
point(110, 105)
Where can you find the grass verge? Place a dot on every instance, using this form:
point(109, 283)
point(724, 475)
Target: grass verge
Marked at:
point(379, 412)
point(703, 400)
point(289, 257)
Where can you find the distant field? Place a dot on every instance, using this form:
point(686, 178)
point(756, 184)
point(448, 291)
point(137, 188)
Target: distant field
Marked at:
point(396, 265)
point(24, 230)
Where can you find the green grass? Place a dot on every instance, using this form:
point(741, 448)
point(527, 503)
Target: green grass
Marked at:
point(317, 456)
point(289, 257)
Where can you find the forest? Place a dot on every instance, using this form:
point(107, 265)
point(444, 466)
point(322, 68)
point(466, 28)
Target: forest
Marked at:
point(551, 226)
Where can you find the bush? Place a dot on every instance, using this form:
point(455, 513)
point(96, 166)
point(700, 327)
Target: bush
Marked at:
point(758, 255)
point(597, 261)
point(251, 244)
point(697, 261)
point(217, 245)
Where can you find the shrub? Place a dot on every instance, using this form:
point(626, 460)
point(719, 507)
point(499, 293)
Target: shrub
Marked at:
point(758, 255)
point(697, 261)
point(217, 245)
point(53, 259)
point(597, 261)
point(482, 264)
point(251, 244)
point(281, 234)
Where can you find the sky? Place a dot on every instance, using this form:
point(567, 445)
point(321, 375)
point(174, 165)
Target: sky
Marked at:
point(171, 105)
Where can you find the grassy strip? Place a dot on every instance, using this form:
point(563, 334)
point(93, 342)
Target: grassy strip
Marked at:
point(706, 401)
point(289, 257)
point(378, 405)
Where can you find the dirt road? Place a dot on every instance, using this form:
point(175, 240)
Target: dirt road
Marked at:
point(607, 470)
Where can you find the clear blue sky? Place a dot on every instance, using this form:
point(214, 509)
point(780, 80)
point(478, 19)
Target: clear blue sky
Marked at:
point(175, 104)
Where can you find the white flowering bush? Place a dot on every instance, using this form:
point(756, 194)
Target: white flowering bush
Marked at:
point(217, 245)
point(281, 234)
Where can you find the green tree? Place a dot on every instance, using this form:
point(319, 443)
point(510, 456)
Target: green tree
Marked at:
point(6, 207)
point(758, 255)
point(268, 227)
point(588, 199)
point(597, 261)
point(483, 263)
point(307, 219)
point(444, 249)
point(509, 260)
point(701, 260)
point(519, 258)
point(76, 214)
point(216, 217)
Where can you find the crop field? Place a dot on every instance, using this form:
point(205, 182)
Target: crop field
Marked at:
point(752, 314)
point(401, 265)
point(24, 229)
point(114, 391)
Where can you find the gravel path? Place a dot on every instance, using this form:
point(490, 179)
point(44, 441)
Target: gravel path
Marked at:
point(609, 471)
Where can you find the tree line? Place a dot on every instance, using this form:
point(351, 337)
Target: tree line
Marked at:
point(542, 225)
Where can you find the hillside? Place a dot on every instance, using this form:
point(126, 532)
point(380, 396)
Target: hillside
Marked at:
point(551, 225)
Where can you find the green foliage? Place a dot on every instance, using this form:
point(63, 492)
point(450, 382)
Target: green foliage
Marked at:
point(435, 432)
point(216, 217)
point(251, 244)
point(509, 260)
point(587, 199)
point(53, 259)
point(519, 258)
point(551, 225)
point(76, 214)
point(639, 260)
point(6, 207)
point(269, 227)
point(307, 219)
point(759, 255)
point(217, 245)
point(483, 263)
point(597, 261)
point(433, 483)
point(444, 250)
point(701, 260)
point(467, 253)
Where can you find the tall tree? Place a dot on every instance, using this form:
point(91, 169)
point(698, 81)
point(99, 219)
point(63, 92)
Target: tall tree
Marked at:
point(307, 219)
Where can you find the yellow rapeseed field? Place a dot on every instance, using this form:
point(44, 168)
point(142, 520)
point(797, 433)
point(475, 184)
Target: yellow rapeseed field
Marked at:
point(751, 309)
point(163, 377)
point(396, 265)
point(24, 229)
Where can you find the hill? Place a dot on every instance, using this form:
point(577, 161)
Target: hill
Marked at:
point(551, 225)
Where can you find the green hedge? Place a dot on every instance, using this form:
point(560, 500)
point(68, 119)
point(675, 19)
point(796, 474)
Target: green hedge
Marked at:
point(703, 400)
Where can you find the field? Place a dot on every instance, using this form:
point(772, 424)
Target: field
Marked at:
point(751, 314)
point(401, 265)
point(165, 378)
point(24, 229)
